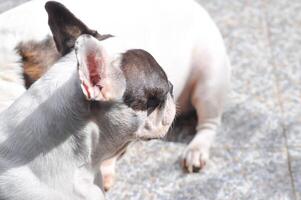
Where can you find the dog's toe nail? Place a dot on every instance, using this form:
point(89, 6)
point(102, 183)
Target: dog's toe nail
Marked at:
point(193, 161)
point(196, 169)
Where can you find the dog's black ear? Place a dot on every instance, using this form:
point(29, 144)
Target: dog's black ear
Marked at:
point(65, 27)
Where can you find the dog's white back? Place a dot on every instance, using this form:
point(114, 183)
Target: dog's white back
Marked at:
point(159, 26)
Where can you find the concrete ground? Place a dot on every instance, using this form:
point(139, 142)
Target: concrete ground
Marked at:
point(257, 153)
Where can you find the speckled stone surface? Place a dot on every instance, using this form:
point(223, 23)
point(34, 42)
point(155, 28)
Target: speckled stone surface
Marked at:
point(257, 152)
point(232, 174)
point(285, 39)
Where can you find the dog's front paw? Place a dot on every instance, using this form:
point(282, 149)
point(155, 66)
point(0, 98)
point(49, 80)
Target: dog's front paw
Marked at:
point(194, 158)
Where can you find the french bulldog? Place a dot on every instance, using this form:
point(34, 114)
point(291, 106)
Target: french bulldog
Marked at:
point(91, 103)
point(180, 35)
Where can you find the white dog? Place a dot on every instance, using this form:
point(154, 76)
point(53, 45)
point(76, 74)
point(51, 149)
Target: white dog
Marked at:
point(86, 108)
point(179, 34)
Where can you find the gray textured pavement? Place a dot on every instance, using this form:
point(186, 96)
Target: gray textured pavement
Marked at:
point(257, 153)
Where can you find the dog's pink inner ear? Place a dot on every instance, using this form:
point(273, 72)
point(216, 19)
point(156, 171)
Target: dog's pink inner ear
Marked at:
point(92, 60)
point(94, 64)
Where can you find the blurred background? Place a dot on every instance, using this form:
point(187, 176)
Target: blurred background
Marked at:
point(257, 153)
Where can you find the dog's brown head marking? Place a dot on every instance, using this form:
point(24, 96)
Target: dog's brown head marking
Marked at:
point(37, 57)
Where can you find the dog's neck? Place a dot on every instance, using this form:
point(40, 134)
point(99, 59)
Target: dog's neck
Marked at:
point(53, 112)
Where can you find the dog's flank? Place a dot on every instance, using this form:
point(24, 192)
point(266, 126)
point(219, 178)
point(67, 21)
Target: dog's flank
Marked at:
point(11, 74)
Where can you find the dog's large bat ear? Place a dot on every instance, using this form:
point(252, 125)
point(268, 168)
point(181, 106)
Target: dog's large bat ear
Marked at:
point(65, 27)
point(95, 70)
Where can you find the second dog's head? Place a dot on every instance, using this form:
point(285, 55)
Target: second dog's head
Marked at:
point(129, 92)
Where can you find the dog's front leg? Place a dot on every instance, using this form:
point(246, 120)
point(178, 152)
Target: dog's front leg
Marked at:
point(108, 171)
point(197, 152)
point(208, 98)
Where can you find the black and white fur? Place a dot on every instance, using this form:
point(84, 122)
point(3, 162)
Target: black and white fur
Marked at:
point(81, 112)
point(180, 35)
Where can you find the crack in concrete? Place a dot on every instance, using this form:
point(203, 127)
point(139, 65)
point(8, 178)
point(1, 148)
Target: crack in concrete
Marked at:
point(279, 102)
